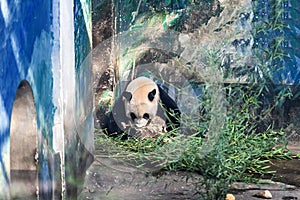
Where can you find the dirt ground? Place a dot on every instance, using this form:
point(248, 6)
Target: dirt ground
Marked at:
point(111, 180)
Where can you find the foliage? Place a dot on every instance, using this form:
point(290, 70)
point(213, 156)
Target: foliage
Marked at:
point(243, 148)
point(245, 140)
point(130, 10)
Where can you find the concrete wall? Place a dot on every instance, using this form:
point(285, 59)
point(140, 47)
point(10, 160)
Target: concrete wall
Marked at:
point(45, 46)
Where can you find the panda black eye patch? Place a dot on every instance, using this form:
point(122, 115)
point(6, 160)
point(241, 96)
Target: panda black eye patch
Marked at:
point(151, 95)
point(146, 116)
point(133, 116)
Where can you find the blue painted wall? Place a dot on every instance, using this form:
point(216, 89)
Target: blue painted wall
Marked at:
point(28, 43)
point(82, 144)
point(25, 49)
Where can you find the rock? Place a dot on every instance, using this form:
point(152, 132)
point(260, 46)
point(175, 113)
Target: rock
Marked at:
point(229, 197)
point(265, 194)
point(262, 184)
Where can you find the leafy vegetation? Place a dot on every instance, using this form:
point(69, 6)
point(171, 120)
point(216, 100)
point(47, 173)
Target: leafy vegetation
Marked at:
point(234, 138)
point(242, 149)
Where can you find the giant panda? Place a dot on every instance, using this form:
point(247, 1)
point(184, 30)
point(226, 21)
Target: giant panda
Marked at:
point(143, 110)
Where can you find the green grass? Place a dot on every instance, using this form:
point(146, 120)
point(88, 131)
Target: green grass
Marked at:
point(241, 148)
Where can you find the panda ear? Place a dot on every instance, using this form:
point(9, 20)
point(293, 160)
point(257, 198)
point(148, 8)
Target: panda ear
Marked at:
point(151, 94)
point(127, 95)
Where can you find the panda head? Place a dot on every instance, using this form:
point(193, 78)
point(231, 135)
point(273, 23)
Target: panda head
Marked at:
point(141, 99)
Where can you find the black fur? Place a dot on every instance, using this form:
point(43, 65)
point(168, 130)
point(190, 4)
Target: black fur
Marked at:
point(127, 95)
point(116, 115)
point(171, 109)
point(151, 95)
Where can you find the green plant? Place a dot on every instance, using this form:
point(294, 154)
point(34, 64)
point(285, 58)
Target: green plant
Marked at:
point(234, 138)
point(239, 147)
point(242, 149)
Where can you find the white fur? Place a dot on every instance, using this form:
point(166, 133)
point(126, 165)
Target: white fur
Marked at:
point(140, 104)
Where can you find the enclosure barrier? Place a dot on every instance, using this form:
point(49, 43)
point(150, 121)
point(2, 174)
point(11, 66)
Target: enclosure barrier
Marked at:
point(251, 38)
point(46, 100)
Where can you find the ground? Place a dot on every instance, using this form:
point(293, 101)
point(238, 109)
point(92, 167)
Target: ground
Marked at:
point(108, 179)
